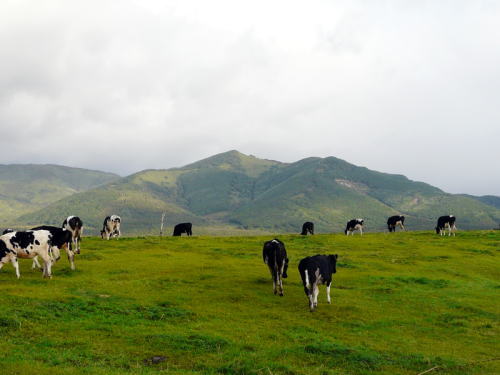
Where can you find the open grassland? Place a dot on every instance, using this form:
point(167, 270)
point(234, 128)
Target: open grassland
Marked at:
point(401, 303)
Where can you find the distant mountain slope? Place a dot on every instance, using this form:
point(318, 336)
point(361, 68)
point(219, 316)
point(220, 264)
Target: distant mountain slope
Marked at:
point(240, 191)
point(26, 188)
point(490, 200)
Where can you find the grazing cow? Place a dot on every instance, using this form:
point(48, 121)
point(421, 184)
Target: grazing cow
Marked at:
point(28, 244)
point(183, 228)
point(354, 224)
point(111, 227)
point(316, 270)
point(444, 222)
point(62, 239)
point(274, 255)
point(307, 227)
point(75, 225)
point(8, 230)
point(393, 221)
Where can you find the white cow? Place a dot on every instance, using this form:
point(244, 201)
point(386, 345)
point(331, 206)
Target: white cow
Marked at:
point(28, 244)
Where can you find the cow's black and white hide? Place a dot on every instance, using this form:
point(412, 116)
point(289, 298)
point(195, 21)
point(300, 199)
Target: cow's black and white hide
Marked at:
point(314, 271)
point(62, 239)
point(75, 225)
point(28, 244)
point(274, 255)
point(307, 227)
point(111, 227)
point(8, 230)
point(446, 222)
point(394, 221)
point(183, 228)
point(354, 224)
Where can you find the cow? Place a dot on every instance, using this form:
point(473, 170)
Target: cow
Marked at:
point(62, 239)
point(111, 227)
point(274, 255)
point(75, 225)
point(307, 227)
point(8, 230)
point(183, 228)
point(28, 244)
point(315, 270)
point(444, 222)
point(395, 220)
point(354, 224)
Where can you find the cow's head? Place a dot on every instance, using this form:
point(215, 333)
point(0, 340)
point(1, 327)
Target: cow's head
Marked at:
point(333, 262)
point(438, 230)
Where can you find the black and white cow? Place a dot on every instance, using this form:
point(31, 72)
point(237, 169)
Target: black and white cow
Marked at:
point(8, 230)
point(28, 244)
point(354, 224)
point(274, 255)
point(307, 227)
point(314, 271)
point(444, 222)
point(75, 225)
point(111, 227)
point(183, 228)
point(394, 221)
point(62, 239)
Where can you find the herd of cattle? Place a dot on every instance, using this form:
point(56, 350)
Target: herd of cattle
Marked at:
point(47, 242)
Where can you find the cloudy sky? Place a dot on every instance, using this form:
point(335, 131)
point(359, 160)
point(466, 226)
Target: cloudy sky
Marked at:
point(410, 87)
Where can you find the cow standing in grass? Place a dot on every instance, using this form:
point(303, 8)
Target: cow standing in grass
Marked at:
point(314, 271)
point(274, 255)
point(307, 227)
point(62, 239)
point(394, 221)
point(446, 222)
point(183, 228)
point(111, 227)
point(75, 225)
point(28, 244)
point(354, 224)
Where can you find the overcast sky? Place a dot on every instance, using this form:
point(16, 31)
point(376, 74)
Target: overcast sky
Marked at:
point(409, 87)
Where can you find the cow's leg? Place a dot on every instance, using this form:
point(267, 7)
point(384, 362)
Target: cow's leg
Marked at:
point(47, 266)
point(310, 294)
point(15, 263)
point(36, 264)
point(71, 258)
point(361, 231)
point(280, 284)
point(328, 292)
point(315, 294)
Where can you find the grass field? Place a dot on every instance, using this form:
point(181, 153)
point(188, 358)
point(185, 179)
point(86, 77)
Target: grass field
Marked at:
point(401, 304)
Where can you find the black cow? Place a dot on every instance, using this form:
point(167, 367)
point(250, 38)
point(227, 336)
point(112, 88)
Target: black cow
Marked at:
point(444, 222)
point(8, 230)
point(62, 239)
point(316, 270)
point(274, 255)
point(75, 225)
point(395, 220)
point(183, 228)
point(354, 224)
point(307, 227)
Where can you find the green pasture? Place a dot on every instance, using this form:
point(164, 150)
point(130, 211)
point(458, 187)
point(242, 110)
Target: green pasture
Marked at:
point(402, 303)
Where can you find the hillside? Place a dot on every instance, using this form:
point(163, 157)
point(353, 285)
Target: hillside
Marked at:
point(26, 188)
point(401, 304)
point(233, 191)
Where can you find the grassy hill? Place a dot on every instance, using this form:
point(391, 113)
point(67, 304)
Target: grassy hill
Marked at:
point(232, 192)
point(401, 304)
point(26, 188)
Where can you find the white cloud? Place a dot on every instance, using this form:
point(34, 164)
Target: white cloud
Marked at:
point(396, 86)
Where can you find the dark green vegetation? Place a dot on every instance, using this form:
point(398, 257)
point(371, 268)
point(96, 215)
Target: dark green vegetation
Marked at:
point(231, 192)
point(401, 303)
point(26, 188)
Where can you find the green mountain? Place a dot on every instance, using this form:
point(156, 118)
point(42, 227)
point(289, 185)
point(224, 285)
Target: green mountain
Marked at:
point(26, 188)
point(240, 192)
